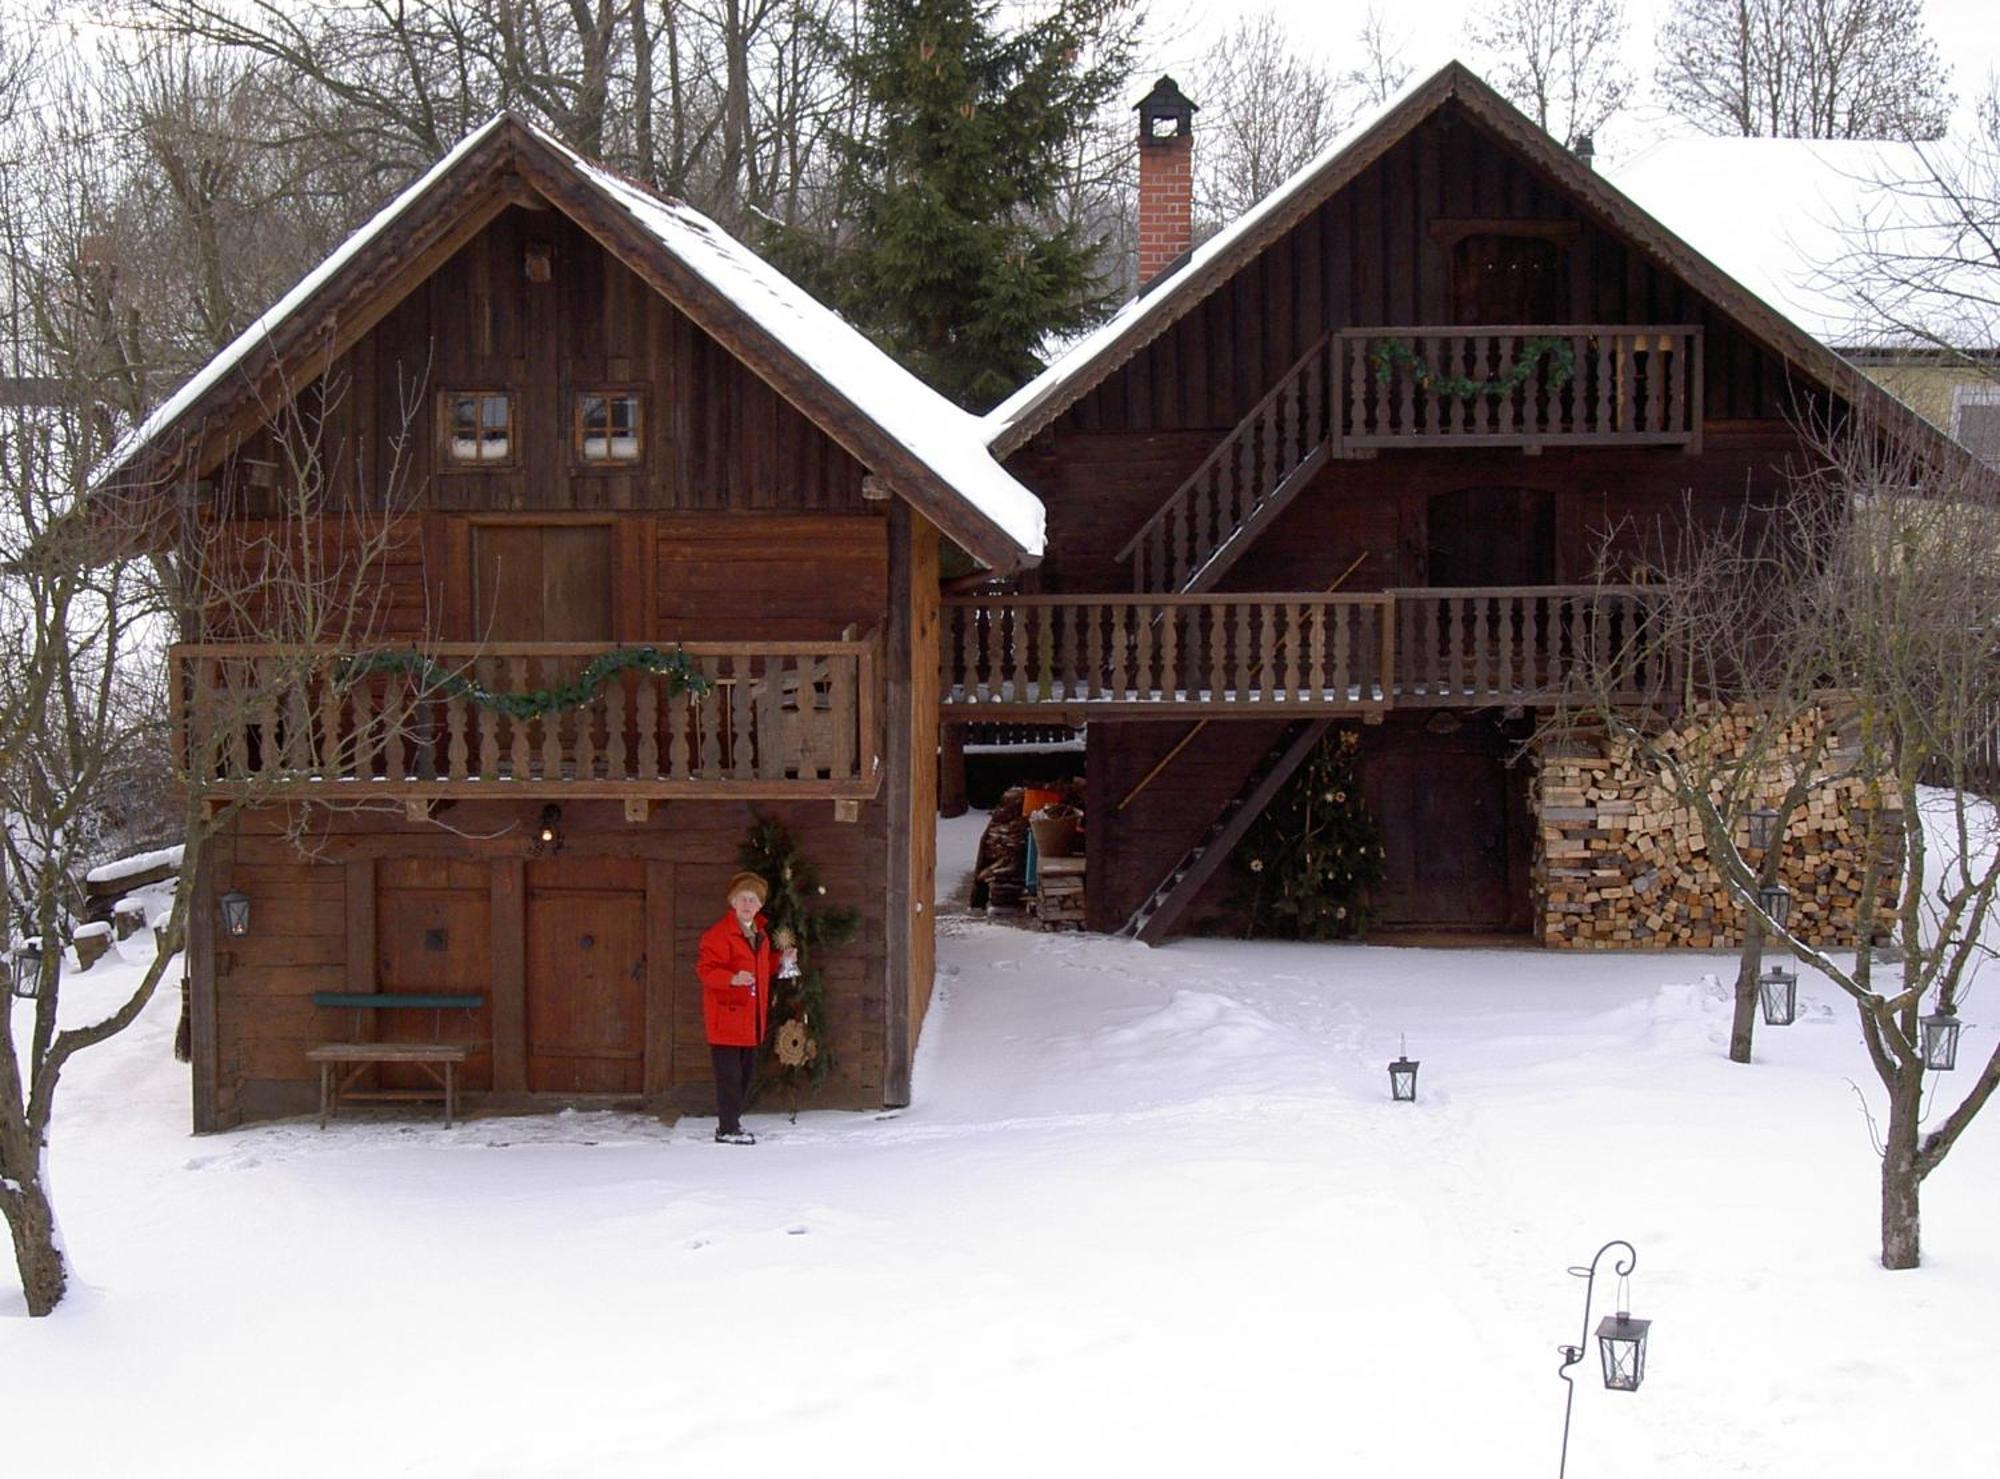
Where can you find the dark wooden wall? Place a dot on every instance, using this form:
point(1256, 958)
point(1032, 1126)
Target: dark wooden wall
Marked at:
point(1372, 255)
point(354, 913)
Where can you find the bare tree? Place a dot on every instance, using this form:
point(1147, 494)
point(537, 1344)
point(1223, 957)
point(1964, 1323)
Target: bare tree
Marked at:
point(1267, 109)
point(1380, 70)
point(1560, 61)
point(1812, 69)
point(1849, 637)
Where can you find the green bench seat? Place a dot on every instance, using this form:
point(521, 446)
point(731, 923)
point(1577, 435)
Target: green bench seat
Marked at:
point(366, 999)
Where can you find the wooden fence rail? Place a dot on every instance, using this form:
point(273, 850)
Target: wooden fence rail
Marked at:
point(1467, 648)
point(1541, 385)
point(791, 719)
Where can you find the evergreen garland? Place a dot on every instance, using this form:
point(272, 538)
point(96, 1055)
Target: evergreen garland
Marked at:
point(676, 667)
point(1310, 859)
point(796, 904)
point(1390, 354)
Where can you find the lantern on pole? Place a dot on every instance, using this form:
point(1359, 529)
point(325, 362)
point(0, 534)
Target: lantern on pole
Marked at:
point(1940, 1039)
point(234, 908)
point(1778, 993)
point(1763, 827)
point(1621, 1340)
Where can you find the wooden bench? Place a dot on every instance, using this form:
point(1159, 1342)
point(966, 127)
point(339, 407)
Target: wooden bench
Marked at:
point(440, 1060)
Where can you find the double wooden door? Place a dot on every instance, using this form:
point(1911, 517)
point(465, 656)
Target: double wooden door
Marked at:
point(586, 975)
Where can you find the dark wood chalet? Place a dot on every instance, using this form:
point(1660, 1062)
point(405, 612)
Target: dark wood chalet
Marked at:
point(573, 418)
point(1268, 513)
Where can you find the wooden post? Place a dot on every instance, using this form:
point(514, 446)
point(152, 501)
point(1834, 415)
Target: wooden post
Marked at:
point(202, 1045)
point(952, 798)
point(507, 924)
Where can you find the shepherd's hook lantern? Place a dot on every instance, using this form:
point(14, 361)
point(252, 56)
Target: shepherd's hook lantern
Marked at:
point(1778, 992)
point(235, 910)
point(1763, 827)
point(28, 970)
point(1621, 1340)
point(1403, 1076)
point(1940, 1038)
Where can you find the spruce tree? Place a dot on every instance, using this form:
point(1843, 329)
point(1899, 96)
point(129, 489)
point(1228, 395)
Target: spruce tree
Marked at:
point(953, 256)
point(1309, 862)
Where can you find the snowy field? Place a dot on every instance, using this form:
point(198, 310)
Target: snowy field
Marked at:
point(1151, 1213)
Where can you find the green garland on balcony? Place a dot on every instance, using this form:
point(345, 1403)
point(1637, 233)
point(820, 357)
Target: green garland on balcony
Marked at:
point(675, 666)
point(1389, 355)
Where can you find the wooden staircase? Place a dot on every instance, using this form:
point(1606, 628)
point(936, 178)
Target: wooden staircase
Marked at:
point(1240, 487)
point(1164, 907)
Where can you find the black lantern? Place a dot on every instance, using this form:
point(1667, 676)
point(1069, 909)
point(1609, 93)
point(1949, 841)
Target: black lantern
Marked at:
point(1778, 992)
point(548, 831)
point(1403, 1080)
point(1621, 1341)
point(1940, 1040)
point(1776, 901)
point(234, 907)
point(28, 970)
point(1763, 827)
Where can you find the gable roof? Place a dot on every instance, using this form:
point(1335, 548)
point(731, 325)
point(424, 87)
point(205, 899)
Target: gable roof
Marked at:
point(1094, 358)
point(928, 450)
point(1853, 240)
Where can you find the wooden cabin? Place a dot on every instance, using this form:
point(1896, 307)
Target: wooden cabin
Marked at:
point(1351, 462)
point(566, 418)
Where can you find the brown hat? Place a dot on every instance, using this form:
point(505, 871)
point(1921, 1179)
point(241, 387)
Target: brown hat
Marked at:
point(752, 881)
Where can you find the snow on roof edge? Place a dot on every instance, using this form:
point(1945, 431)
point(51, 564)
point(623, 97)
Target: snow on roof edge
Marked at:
point(238, 349)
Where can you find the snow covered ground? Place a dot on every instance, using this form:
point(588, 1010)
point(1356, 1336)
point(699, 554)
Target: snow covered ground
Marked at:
point(1152, 1213)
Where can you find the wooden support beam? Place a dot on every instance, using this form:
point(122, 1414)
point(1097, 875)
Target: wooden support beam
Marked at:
point(847, 810)
point(417, 808)
point(638, 808)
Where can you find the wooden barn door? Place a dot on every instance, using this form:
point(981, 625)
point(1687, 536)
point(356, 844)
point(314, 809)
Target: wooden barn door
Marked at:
point(432, 938)
point(1454, 827)
point(541, 582)
point(586, 975)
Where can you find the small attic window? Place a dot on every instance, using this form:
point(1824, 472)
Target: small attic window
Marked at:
point(609, 428)
point(478, 428)
point(1975, 420)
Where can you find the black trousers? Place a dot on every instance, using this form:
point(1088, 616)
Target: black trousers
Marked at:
point(734, 1068)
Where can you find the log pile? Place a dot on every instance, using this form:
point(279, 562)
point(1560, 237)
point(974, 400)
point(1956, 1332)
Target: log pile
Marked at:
point(1621, 863)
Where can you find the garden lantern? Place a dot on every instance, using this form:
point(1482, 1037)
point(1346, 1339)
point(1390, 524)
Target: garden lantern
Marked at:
point(1403, 1080)
point(1778, 992)
point(1940, 1040)
point(28, 970)
point(1776, 900)
point(234, 907)
point(1763, 827)
point(1621, 1341)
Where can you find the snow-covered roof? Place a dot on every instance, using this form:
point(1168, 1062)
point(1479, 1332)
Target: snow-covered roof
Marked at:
point(949, 442)
point(1147, 304)
point(1849, 239)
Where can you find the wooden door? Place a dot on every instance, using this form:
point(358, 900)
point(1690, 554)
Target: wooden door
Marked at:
point(1505, 279)
point(1453, 823)
point(432, 939)
point(542, 582)
point(586, 976)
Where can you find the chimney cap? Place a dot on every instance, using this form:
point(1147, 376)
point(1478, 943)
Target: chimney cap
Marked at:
point(1165, 113)
point(1585, 148)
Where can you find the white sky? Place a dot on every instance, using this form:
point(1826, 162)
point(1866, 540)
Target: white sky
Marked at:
point(1967, 33)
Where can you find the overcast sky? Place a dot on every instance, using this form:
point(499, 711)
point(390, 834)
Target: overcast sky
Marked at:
point(1434, 31)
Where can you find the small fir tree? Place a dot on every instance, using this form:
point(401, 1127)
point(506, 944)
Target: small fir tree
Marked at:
point(953, 256)
point(796, 908)
point(1311, 858)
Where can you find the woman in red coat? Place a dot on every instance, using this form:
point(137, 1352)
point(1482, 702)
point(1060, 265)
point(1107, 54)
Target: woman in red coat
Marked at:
point(734, 965)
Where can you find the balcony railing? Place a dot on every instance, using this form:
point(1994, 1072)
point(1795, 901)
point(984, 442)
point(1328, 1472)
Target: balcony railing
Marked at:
point(779, 719)
point(1517, 385)
point(1255, 655)
point(1292, 653)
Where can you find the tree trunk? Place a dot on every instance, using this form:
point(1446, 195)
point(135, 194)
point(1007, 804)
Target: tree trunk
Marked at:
point(37, 1254)
point(1743, 1025)
point(1900, 1177)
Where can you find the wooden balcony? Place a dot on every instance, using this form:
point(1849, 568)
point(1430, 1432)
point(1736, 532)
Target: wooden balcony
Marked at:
point(1285, 655)
point(779, 720)
point(1551, 385)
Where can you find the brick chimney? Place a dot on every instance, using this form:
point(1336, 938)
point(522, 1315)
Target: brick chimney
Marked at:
point(1166, 180)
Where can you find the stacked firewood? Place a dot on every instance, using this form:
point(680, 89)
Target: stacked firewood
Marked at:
point(1000, 869)
point(1620, 862)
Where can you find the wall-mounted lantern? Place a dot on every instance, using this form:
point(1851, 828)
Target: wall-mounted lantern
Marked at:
point(234, 909)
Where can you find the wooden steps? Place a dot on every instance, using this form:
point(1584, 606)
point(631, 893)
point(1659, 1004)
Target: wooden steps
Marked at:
point(1163, 908)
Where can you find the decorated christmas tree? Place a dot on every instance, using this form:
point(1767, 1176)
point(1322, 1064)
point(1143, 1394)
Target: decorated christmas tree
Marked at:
point(1309, 861)
point(800, 1053)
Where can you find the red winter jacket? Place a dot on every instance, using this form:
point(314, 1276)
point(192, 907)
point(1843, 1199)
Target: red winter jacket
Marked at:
point(735, 1016)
